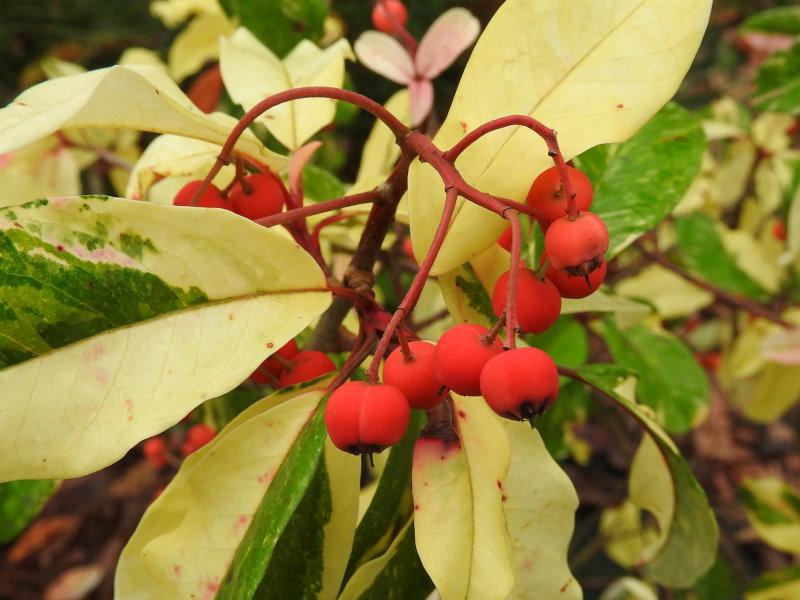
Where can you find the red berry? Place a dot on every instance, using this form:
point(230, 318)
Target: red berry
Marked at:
point(460, 356)
point(416, 378)
point(779, 230)
point(504, 241)
point(576, 246)
point(366, 418)
point(197, 437)
point(520, 384)
point(571, 286)
point(710, 361)
point(264, 199)
point(538, 301)
point(155, 450)
point(305, 366)
point(274, 366)
point(210, 198)
point(408, 250)
point(547, 196)
point(389, 16)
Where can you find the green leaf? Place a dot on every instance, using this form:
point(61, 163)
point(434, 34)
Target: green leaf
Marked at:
point(280, 24)
point(397, 574)
point(778, 82)
point(310, 557)
point(662, 483)
point(669, 379)
point(20, 502)
point(776, 585)
point(119, 317)
point(384, 511)
point(719, 583)
point(555, 424)
point(773, 509)
point(782, 19)
point(320, 184)
point(647, 176)
point(702, 251)
point(566, 342)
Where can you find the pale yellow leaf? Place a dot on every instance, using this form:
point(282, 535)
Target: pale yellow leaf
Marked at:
point(251, 72)
point(671, 294)
point(381, 151)
point(595, 72)
point(173, 12)
point(79, 407)
point(197, 44)
point(625, 536)
point(44, 168)
point(140, 97)
point(772, 509)
point(629, 588)
point(459, 522)
point(539, 502)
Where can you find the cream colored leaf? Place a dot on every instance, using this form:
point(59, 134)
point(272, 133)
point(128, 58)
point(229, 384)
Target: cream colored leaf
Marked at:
point(624, 534)
point(173, 12)
point(539, 502)
point(251, 72)
point(458, 511)
point(44, 168)
point(156, 309)
point(671, 294)
point(197, 44)
point(381, 151)
point(138, 97)
point(773, 509)
point(594, 71)
point(628, 312)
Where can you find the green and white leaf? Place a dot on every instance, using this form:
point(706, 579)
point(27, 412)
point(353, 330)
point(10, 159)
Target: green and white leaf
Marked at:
point(773, 509)
point(783, 584)
point(118, 317)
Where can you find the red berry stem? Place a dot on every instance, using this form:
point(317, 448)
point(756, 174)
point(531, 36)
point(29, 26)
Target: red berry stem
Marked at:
point(415, 289)
point(513, 279)
point(498, 325)
point(320, 207)
point(333, 219)
point(401, 335)
point(547, 134)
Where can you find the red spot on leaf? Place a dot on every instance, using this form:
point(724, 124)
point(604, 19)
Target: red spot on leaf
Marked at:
point(499, 485)
point(620, 106)
point(60, 248)
point(177, 569)
point(270, 345)
point(462, 414)
point(566, 585)
point(463, 127)
point(17, 225)
point(416, 506)
point(503, 498)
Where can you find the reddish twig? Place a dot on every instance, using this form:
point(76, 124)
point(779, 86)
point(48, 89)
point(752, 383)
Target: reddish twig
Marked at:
point(320, 207)
point(513, 279)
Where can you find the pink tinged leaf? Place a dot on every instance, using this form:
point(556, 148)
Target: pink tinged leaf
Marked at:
point(420, 92)
point(447, 38)
point(297, 164)
point(782, 347)
point(384, 55)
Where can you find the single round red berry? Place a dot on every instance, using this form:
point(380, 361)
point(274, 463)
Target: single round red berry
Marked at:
point(548, 197)
point(155, 450)
point(460, 356)
point(364, 418)
point(576, 245)
point(389, 16)
point(520, 384)
point(275, 364)
point(264, 198)
point(197, 437)
point(571, 286)
point(538, 301)
point(305, 366)
point(504, 241)
point(416, 377)
point(779, 230)
point(210, 198)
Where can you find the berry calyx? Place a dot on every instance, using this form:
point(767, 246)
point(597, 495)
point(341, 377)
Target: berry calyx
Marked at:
point(520, 384)
point(389, 16)
point(548, 197)
point(538, 301)
point(461, 354)
point(571, 286)
point(275, 364)
point(261, 197)
point(576, 245)
point(305, 366)
point(365, 418)
point(155, 451)
point(210, 198)
point(416, 377)
point(197, 437)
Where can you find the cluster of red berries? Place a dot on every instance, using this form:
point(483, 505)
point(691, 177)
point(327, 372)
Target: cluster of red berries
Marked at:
point(257, 196)
point(470, 360)
point(156, 451)
point(290, 366)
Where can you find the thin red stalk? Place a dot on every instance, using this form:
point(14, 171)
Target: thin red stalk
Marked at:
point(498, 325)
point(414, 291)
point(319, 208)
point(361, 349)
point(547, 134)
point(342, 216)
point(404, 348)
point(513, 280)
point(372, 107)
